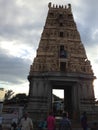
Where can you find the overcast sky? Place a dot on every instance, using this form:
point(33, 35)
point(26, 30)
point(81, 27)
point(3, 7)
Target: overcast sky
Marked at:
point(21, 24)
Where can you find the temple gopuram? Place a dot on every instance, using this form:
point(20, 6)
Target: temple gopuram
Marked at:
point(61, 63)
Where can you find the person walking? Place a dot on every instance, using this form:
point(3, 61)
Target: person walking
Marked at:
point(1, 120)
point(42, 124)
point(26, 122)
point(14, 122)
point(65, 123)
point(51, 121)
point(84, 123)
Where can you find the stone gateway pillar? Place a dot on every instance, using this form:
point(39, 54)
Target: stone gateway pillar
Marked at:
point(60, 63)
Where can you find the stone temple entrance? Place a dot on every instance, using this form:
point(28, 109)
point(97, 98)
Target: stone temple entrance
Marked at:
point(60, 62)
point(40, 94)
point(68, 96)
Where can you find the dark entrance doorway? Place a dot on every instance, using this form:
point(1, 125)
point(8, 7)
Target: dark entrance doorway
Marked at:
point(58, 101)
point(66, 101)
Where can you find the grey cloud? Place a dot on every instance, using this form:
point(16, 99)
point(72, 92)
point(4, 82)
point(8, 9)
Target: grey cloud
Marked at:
point(25, 22)
point(96, 61)
point(21, 22)
point(13, 69)
point(85, 14)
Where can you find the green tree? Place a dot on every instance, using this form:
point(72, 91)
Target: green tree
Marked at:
point(20, 99)
point(8, 94)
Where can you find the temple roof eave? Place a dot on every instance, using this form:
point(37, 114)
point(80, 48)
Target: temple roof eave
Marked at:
point(62, 75)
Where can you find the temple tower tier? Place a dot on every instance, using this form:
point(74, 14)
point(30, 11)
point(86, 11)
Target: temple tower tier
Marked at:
point(60, 63)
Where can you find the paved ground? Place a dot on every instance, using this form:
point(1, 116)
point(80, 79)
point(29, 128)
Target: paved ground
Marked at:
point(6, 128)
point(36, 129)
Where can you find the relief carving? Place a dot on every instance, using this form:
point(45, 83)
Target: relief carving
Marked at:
point(50, 42)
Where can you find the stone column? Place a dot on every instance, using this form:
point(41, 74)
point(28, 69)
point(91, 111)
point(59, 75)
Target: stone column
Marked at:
point(76, 101)
point(40, 97)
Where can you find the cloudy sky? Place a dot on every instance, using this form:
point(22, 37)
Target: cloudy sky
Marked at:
point(21, 24)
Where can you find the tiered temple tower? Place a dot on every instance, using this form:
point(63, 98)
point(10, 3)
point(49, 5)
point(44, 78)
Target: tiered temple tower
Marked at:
point(60, 63)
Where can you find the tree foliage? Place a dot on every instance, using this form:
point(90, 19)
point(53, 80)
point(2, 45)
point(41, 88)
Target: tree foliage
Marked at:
point(9, 94)
point(20, 99)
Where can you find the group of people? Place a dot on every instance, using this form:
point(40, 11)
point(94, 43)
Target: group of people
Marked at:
point(24, 124)
point(50, 123)
point(65, 123)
